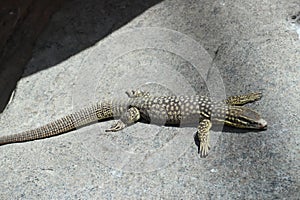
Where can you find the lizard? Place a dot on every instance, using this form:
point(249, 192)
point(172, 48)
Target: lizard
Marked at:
point(162, 110)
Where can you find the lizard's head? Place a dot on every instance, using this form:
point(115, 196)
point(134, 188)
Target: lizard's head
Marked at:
point(242, 117)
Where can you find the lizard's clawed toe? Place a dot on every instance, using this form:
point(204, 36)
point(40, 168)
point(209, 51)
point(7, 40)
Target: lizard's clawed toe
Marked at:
point(116, 127)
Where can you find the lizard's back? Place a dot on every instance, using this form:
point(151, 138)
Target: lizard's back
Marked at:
point(173, 110)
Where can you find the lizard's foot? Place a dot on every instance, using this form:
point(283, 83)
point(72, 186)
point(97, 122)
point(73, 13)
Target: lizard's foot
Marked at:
point(203, 149)
point(203, 137)
point(131, 116)
point(243, 99)
point(253, 96)
point(137, 93)
point(116, 127)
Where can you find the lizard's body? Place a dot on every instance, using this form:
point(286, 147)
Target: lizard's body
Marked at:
point(163, 110)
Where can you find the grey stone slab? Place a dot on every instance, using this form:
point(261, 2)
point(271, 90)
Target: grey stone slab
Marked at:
point(220, 48)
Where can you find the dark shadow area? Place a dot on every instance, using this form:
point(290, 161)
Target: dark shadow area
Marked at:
point(229, 129)
point(87, 21)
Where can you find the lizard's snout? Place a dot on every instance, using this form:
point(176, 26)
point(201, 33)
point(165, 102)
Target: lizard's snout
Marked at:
point(262, 124)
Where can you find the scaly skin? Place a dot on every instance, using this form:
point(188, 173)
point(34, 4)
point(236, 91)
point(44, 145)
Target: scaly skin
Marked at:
point(163, 110)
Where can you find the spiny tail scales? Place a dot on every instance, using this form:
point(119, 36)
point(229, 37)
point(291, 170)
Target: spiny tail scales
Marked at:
point(70, 122)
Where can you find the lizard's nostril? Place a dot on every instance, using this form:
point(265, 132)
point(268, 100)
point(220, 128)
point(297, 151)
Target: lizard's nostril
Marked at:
point(264, 126)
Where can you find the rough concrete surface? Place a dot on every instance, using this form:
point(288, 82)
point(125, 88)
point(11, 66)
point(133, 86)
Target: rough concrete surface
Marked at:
point(206, 47)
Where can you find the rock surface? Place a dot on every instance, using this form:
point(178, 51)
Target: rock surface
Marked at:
point(253, 46)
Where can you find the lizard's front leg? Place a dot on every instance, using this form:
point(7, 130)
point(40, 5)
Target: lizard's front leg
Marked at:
point(203, 136)
point(129, 117)
point(243, 99)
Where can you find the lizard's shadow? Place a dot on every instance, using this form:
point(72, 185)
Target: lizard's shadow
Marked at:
point(227, 129)
point(215, 127)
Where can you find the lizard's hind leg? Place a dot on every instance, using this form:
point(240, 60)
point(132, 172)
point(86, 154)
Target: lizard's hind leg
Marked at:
point(131, 116)
point(243, 99)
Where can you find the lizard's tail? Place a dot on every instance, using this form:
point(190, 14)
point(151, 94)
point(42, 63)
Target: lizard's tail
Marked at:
point(70, 122)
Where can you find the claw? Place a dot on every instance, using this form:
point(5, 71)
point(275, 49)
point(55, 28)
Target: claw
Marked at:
point(203, 137)
point(137, 93)
point(204, 147)
point(256, 96)
point(130, 94)
point(116, 127)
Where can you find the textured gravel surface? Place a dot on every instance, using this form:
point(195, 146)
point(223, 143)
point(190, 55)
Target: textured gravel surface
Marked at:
point(220, 48)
